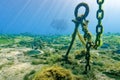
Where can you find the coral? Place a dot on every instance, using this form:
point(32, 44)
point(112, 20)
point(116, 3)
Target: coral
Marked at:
point(54, 73)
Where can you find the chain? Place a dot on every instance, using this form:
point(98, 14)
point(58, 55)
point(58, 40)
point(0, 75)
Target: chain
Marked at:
point(99, 27)
point(87, 57)
point(87, 34)
point(88, 39)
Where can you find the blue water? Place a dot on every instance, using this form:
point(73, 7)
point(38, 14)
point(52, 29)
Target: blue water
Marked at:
point(42, 16)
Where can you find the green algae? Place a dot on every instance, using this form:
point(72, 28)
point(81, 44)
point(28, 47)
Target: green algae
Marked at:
point(104, 61)
point(53, 73)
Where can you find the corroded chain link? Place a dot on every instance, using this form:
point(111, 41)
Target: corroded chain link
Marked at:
point(99, 27)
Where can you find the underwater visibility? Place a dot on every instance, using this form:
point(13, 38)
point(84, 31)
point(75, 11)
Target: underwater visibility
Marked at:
point(59, 40)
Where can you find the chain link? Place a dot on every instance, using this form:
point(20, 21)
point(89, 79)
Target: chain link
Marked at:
point(100, 2)
point(99, 27)
point(87, 57)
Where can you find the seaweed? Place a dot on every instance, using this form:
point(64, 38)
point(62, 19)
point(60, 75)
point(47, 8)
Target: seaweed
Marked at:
point(113, 74)
point(29, 76)
point(53, 73)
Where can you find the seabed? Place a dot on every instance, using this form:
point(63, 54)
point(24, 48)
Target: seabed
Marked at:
point(40, 57)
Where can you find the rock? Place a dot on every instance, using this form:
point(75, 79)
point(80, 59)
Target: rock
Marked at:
point(34, 52)
point(117, 51)
point(10, 58)
point(105, 45)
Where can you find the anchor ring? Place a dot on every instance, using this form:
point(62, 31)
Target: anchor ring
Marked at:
point(83, 16)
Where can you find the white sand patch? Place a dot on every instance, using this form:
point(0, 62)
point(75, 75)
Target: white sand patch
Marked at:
point(15, 72)
point(14, 64)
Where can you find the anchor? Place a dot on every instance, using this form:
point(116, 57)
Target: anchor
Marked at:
point(87, 38)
